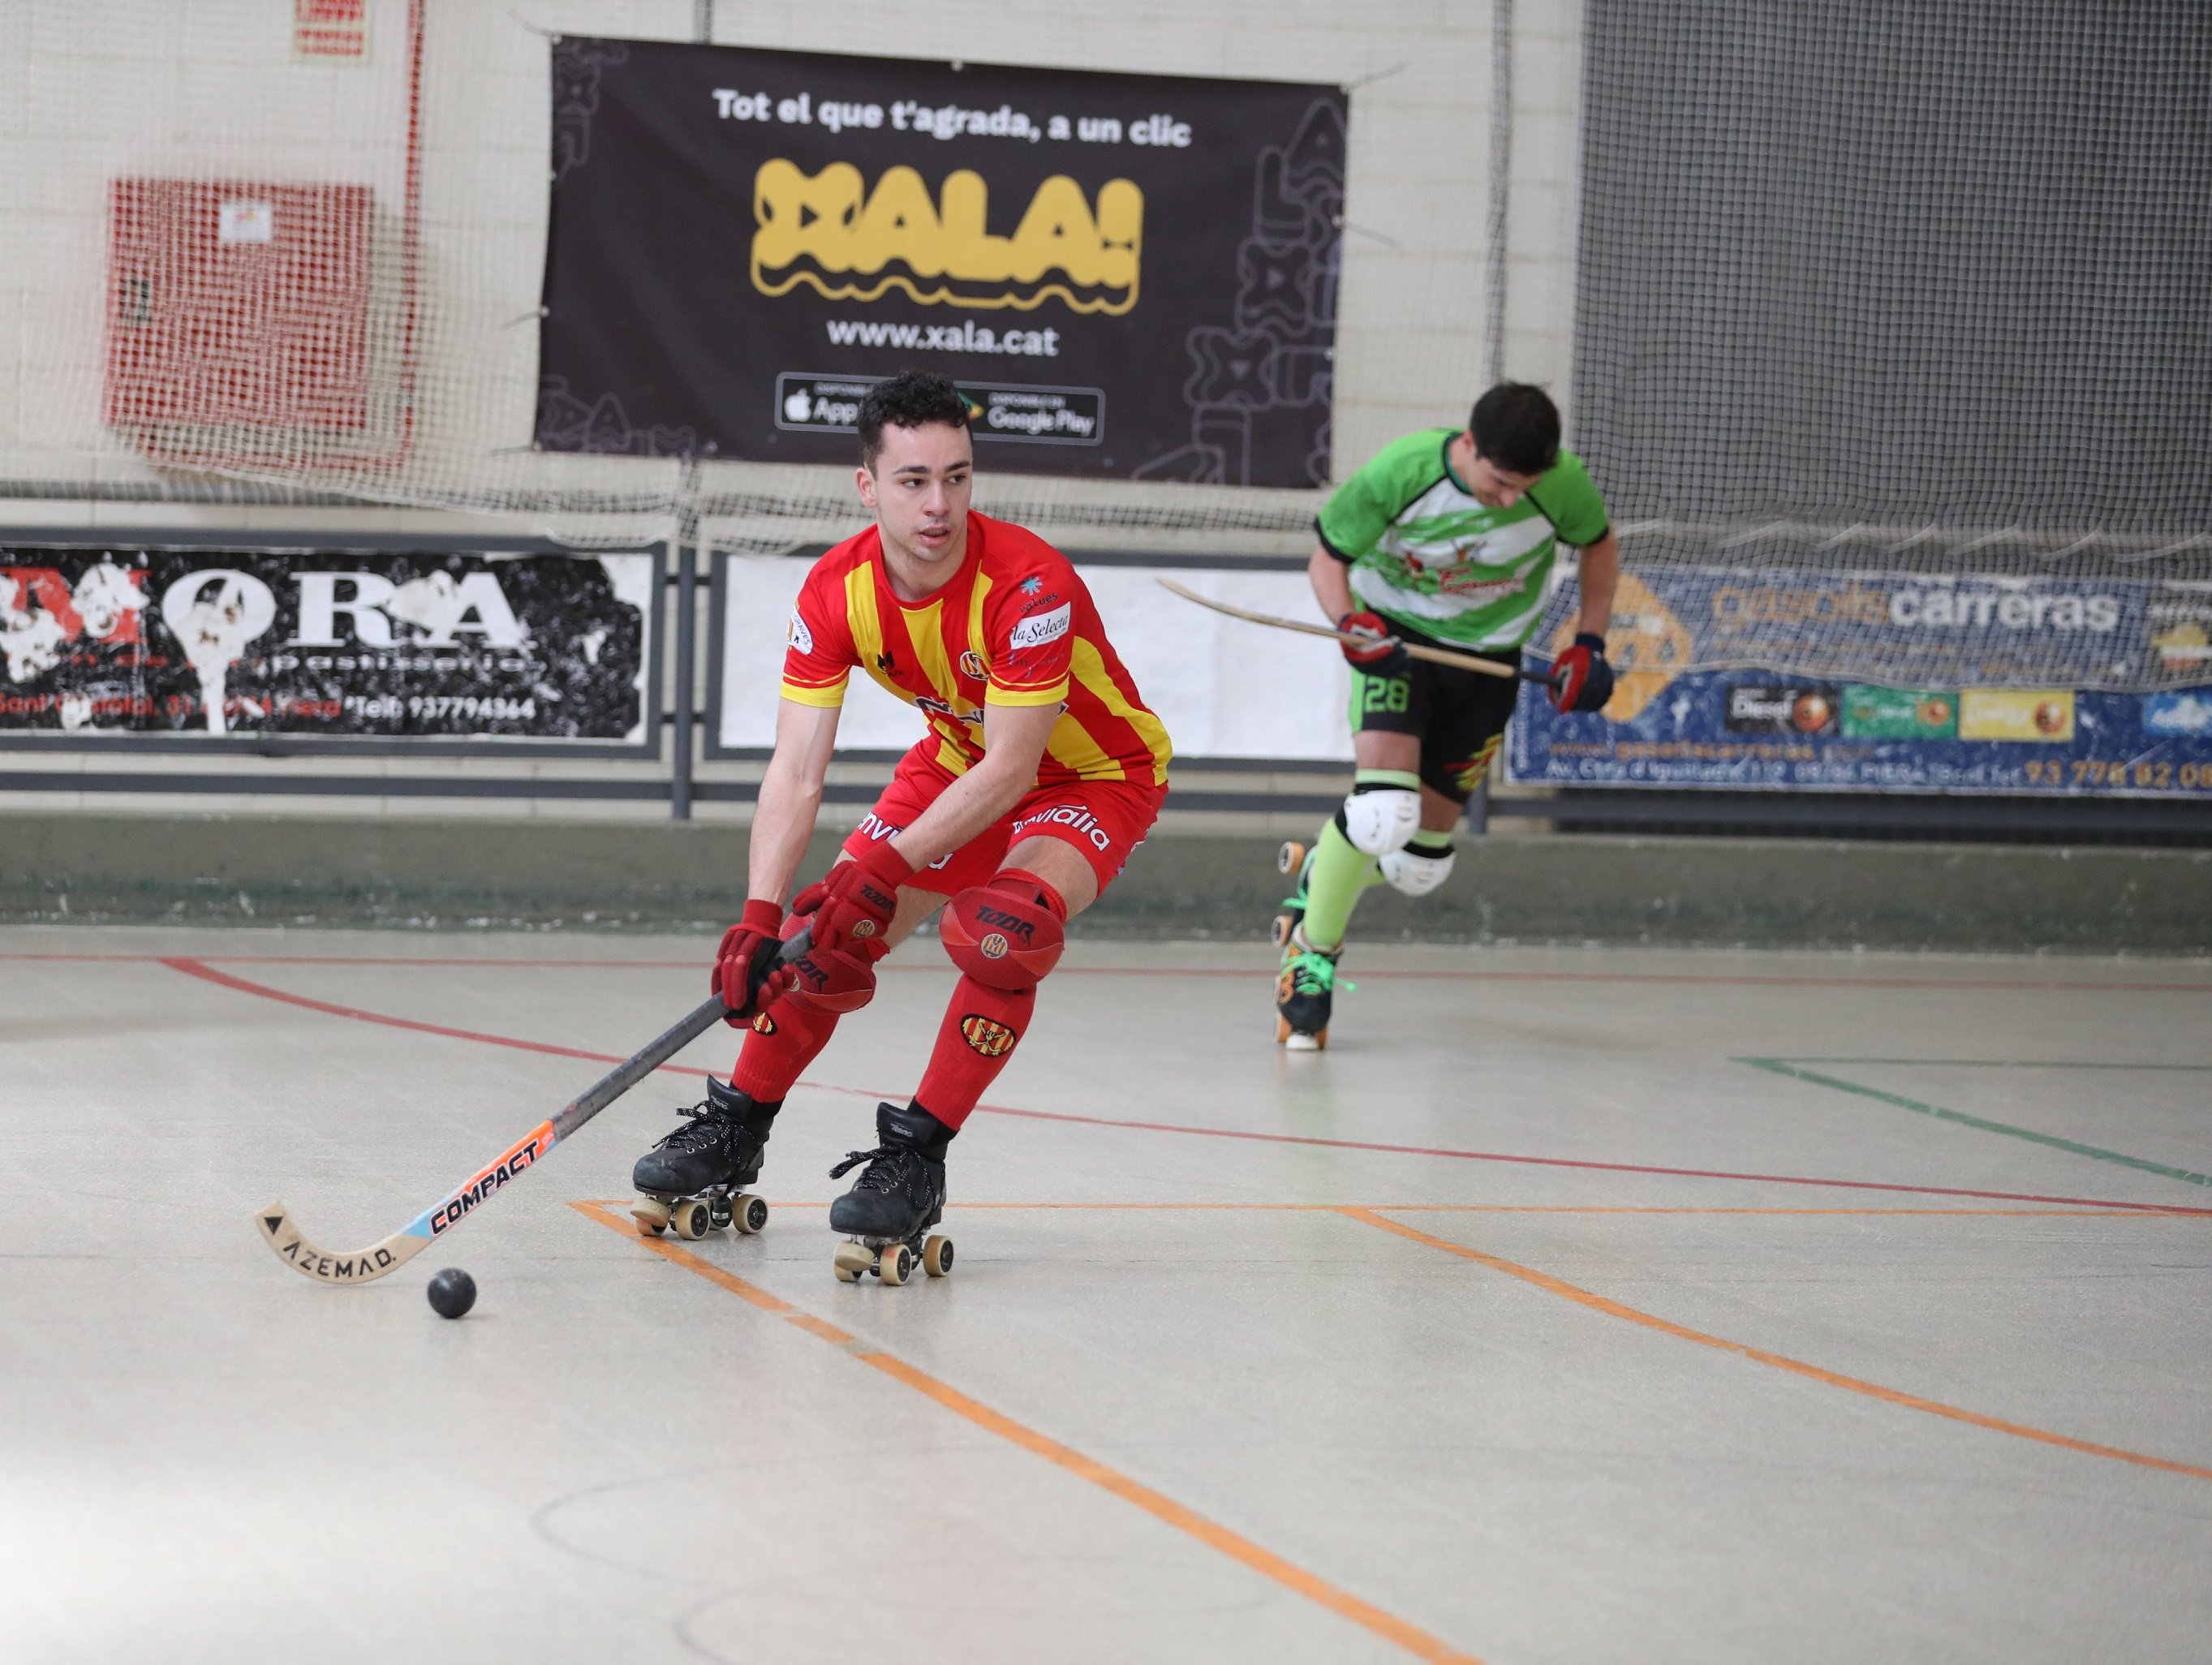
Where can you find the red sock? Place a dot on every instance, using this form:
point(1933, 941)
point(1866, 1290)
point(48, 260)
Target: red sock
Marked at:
point(782, 1042)
point(980, 1029)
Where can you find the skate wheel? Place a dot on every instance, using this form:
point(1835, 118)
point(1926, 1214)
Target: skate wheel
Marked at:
point(895, 1265)
point(1282, 1031)
point(690, 1219)
point(1297, 1043)
point(650, 1215)
point(749, 1214)
point(1291, 857)
point(1280, 931)
point(851, 1260)
point(937, 1256)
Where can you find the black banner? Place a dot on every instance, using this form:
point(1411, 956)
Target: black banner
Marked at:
point(1131, 276)
point(439, 646)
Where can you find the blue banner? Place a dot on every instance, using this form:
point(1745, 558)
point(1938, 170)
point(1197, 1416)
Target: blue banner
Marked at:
point(1783, 679)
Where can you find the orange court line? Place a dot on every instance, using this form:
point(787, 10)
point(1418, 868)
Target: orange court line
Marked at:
point(1416, 1642)
point(1533, 1208)
point(1597, 1302)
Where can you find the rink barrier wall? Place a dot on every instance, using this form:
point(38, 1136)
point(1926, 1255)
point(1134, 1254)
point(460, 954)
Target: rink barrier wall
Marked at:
point(632, 875)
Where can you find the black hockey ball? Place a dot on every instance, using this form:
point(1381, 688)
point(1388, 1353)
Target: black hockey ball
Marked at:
point(452, 1292)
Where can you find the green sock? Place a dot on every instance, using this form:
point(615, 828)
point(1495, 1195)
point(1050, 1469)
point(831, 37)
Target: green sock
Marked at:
point(1426, 842)
point(1341, 870)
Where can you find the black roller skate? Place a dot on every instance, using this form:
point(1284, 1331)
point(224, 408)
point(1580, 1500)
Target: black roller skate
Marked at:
point(692, 1181)
point(1304, 989)
point(896, 1199)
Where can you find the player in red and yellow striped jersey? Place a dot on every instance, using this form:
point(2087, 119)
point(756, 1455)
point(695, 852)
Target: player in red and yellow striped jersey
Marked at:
point(1041, 771)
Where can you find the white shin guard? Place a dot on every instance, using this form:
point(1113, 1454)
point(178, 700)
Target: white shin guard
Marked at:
point(1415, 872)
point(1380, 822)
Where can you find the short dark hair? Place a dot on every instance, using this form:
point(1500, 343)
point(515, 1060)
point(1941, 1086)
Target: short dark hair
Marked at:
point(1517, 427)
point(912, 399)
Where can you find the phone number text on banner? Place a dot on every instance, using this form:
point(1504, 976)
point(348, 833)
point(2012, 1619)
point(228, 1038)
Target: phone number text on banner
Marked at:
point(437, 647)
point(1864, 682)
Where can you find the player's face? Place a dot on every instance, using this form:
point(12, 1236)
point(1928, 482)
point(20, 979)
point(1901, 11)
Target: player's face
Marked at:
point(919, 489)
point(1494, 487)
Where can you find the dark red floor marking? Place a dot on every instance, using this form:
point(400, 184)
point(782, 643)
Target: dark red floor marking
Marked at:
point(1659, 979)
point(193, 967)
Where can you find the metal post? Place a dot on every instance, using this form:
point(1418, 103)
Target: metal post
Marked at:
point(703, 22)
point(687, 637)
point(1501, 169)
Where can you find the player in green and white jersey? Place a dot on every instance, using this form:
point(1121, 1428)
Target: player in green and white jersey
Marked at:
point(1449, 537)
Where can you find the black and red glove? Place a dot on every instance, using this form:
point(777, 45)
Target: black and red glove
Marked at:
point(855, 899)
point(1581, 679)
point(741, 974)
point(1384, 657)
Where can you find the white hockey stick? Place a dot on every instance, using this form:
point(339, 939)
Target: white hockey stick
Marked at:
point(366, 1266)
point(1416, 650)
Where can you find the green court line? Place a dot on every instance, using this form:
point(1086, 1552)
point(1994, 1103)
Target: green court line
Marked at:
point(1789, 1067)
point(1985, 1063)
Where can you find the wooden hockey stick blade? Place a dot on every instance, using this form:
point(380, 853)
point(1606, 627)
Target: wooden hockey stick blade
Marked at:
point(365, 1265)
point(1416, 650)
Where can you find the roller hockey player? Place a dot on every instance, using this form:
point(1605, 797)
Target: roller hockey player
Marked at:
point(1041, 770)
point(1446, 538)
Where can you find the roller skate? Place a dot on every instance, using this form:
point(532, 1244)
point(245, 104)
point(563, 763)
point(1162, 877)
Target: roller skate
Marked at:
point(1293, 858)
point(1304, 990)
point(897, 1198)
point(692, 1182)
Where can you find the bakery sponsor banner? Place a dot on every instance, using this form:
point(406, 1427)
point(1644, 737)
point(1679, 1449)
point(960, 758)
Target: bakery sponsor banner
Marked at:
point(440, 647)
point(1865, 682)
point(1224, 687)
point(1128, 275)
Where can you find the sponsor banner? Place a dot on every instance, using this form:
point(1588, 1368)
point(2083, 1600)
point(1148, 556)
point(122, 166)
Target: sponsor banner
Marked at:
point(438, 646)
point(1224, 687)
point(1865, 682)
point(1129, 276)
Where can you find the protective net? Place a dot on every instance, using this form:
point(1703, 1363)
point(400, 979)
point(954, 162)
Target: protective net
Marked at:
point(292, 251)
point(1894, 333)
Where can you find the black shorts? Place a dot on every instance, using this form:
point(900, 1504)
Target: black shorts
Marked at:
point(1458, 716)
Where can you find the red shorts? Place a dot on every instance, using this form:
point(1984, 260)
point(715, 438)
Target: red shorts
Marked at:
point(1102, 820)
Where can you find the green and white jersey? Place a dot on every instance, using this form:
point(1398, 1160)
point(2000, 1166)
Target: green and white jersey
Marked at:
point(1425, 554)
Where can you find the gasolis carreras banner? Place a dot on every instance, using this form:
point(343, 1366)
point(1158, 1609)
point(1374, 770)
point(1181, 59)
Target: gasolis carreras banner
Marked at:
point(1128, 275)
point(439, 646)
point(1732, 677)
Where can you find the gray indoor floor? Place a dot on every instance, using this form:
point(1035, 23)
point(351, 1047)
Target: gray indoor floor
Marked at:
point(1575, 1305)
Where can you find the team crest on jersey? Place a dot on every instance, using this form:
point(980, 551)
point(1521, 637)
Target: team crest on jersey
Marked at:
point(799, 635)
point(972, 666)
point(763, 1024)
point(987, 1036)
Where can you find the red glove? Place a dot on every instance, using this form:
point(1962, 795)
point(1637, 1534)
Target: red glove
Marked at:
point(1581, 679)
point(1385, 657)
point(749, 948)
point(855, 899)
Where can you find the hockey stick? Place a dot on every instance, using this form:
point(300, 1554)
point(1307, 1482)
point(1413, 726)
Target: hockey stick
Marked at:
point(367, 1265)
point(1416, 650)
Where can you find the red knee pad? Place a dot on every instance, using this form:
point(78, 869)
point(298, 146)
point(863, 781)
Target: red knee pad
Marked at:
point(1006, 934)
point(831, 982)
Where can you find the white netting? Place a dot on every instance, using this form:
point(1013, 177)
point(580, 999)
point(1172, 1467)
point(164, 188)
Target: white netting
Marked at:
point(364, 329)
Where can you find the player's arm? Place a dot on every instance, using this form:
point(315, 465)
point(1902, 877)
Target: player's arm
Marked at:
point(790, 797)
point(1598, 575)
point(1014, 737)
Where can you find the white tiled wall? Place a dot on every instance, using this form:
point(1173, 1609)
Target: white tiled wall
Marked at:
point(90, 91)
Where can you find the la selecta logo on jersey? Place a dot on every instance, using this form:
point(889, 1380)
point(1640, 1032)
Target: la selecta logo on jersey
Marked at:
point(1045, 627)
point(846, 242)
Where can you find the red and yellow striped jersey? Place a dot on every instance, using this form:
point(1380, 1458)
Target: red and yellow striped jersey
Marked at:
point(1014, 626)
